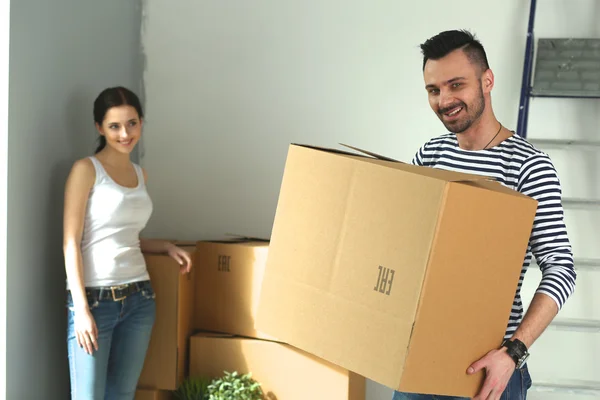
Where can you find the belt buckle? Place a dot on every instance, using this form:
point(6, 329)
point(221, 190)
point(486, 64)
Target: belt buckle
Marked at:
point(112, 289)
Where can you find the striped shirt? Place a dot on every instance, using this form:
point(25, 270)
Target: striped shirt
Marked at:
point(518, 165)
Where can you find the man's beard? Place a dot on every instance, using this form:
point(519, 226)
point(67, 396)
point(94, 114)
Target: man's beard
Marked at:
point(473, 113)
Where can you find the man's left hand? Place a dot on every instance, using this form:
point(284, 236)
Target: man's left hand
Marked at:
point(499, 367)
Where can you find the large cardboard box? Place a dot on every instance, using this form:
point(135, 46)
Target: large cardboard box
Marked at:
point(166, 361)
point(150, 394)
point(403, 274)
point(284, 372)
point(228, 281)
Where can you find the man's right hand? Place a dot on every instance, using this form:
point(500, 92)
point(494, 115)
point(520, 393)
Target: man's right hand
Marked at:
point(86, 330)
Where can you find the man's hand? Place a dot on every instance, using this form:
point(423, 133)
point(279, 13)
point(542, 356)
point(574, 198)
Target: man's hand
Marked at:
point(499, 368)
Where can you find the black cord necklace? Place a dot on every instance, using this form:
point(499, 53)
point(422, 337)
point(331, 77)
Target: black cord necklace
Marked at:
point(499, 129)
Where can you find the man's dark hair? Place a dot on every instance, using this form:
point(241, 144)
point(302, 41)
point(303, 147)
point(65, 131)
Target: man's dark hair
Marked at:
point(445, 42)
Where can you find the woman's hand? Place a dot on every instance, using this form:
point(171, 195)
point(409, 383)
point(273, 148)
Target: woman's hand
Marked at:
point(86, 330)
point(183, 258)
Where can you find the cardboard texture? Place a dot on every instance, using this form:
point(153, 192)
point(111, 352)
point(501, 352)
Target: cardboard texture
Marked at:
point(165, 366)
point(148, 394)
point(284, 372)
point(403, 274)
point(228, 281)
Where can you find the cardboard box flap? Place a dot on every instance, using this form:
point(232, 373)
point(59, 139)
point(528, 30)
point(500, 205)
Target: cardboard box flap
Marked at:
point(210, 334)
point(374, 155)
point(184, 243)
point(450, 176)
point(327, 149)
point(244, 238)
point(235, 239)
point(435, 173)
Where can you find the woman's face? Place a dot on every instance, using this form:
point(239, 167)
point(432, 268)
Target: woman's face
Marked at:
point(122, 128)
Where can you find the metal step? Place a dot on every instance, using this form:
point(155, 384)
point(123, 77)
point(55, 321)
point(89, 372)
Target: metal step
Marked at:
point(556, 95)
point(577, 325)
point(585, 204)
point(571, 387)
point(590, 145)
point(587, 263)
point(580, 264)
point(566, 67)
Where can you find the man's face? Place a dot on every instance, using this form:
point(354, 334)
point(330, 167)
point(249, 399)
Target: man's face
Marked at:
point(455, 91)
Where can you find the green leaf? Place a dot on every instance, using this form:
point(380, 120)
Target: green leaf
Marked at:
point(234, 386)
point(193, 388)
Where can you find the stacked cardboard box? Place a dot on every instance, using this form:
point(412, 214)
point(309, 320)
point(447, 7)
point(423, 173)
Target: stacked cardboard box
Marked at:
point(228, 283)
point(166, 364)
point(205, 326)
point(284, 372)
point(228, 287)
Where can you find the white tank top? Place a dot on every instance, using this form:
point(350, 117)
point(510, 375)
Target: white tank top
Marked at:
point(114, 217)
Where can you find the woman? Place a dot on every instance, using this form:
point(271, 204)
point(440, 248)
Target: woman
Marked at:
point(110, 298)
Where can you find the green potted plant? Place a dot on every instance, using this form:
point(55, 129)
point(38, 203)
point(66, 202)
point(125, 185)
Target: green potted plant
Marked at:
point(235, 386)
point(193, 388)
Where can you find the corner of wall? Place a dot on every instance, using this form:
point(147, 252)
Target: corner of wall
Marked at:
point(4, 86)
point(143, 8)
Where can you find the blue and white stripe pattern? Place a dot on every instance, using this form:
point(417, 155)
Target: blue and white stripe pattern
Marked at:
point(518, 165)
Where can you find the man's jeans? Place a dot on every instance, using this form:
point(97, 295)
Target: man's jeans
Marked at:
point(515, 390)
point(124, 329)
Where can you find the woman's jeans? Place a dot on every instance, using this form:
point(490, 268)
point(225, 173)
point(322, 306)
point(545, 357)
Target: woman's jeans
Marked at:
point(124, 329)
point(516, 389)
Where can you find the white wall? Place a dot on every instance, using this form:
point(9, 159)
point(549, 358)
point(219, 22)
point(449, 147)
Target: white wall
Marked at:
point(230, 84)
point(62, 54)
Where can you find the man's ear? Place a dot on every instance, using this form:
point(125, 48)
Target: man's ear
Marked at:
point(487, 81)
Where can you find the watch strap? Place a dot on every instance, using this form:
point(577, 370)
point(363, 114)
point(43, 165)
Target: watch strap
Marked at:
point(516, 350)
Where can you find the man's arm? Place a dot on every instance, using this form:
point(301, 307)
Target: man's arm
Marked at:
point(540, 313)
point(551, 248)
point(549, 245)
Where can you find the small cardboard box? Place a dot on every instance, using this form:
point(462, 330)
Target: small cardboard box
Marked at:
point(284, 372)
point(150, 394)
point(403, 274)
point(165, 366)
point(228, 281)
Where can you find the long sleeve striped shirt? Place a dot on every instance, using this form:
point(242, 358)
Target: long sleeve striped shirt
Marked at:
point(520, 166)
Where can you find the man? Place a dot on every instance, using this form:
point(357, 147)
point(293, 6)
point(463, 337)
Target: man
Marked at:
point(459, 82)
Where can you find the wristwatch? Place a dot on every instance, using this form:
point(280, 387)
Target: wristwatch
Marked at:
point(517, 351)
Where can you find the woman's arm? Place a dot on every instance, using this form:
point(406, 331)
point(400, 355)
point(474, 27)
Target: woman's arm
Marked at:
point(182, 257)
point(156, 246)
point(77, 189)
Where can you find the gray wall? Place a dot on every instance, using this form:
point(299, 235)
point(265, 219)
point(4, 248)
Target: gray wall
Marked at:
point(62, 53)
